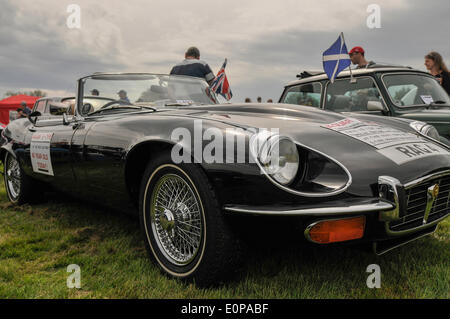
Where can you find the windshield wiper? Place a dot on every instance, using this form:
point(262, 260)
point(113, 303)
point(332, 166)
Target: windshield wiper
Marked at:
point(186, 104)
point(117, 107)
point(178, 104)
point(150, 108)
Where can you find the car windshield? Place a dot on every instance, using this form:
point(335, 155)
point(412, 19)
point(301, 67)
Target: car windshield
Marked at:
point(415, 90)
point(132, 91)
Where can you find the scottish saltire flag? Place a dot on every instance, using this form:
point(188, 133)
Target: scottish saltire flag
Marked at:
point(336, 58)
point(220, 84)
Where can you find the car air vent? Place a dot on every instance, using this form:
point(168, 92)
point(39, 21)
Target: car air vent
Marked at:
point(416, 203)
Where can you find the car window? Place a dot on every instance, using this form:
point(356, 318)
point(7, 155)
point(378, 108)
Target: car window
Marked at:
point(71, 105)
point(344, 96)
point(40, 107)
point(305, 94)
point(414, 89)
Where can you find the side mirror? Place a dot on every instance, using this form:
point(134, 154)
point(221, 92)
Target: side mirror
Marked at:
point(375, 106)
point(33, 116)
point(86, 108)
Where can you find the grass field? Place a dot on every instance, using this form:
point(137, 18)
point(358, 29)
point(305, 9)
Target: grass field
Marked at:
point(38, 243)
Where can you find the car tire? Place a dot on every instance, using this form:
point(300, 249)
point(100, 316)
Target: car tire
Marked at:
point(19, 186)
point(184, 229)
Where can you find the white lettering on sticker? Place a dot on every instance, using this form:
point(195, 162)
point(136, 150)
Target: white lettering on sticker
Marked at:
point(372, 133)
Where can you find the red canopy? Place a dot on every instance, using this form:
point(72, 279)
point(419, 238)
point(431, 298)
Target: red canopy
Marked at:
point(12, 103)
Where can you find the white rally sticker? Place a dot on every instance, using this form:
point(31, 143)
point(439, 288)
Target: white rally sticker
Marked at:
point(427, 99)
point(40, 153)
point(372, 133)
point(403, 153)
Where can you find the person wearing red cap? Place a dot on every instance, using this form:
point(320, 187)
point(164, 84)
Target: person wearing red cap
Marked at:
point(357, 57)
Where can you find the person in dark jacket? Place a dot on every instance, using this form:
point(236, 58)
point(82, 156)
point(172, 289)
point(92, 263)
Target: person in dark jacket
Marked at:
point(25, 109)
point(435, 64)
point(20, 113)
point(193, 66)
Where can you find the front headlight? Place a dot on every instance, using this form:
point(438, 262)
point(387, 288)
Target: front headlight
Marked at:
point(277, 155)
point(425, 129)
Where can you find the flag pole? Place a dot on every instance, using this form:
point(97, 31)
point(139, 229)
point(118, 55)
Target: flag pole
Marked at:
point(352, 79)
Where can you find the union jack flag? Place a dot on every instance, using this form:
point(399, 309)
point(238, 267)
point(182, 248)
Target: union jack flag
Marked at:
point(220, 84)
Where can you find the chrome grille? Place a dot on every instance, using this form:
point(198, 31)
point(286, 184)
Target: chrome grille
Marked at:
point(416, 202)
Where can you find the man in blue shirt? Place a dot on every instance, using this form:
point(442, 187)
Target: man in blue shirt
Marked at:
point(123, 98)
point(25, 108)
point(193, 66)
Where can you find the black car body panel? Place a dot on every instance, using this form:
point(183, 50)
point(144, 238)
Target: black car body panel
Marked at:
point(102, 158)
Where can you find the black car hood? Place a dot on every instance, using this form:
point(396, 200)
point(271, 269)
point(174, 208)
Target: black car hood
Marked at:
point(288, 118)
point(260, 113)
point(306, 126)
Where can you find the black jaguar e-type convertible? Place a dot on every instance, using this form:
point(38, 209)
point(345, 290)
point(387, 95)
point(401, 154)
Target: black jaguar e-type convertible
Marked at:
point(163, 147)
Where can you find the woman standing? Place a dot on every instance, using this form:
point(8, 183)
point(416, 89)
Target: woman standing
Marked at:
point(435, 64)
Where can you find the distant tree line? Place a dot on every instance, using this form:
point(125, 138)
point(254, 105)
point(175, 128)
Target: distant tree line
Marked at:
point(30, 93)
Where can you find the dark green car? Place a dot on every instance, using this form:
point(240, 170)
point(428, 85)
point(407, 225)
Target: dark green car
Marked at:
point(380, 90)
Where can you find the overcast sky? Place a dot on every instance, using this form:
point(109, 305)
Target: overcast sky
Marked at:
point(266, 42)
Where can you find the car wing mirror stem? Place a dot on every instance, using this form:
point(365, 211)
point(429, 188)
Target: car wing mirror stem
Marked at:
point(33, 117)
point(66, 120)
point(32, 120)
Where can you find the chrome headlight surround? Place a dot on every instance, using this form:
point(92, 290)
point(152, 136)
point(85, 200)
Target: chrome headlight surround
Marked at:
point(258, 142)
point(276, 155)
point(425, 129)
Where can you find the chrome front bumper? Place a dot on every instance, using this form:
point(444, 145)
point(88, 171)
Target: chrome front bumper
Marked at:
point(349, 206)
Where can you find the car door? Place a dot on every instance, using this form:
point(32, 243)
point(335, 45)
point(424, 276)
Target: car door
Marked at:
point(98, 150)
point(49, 151)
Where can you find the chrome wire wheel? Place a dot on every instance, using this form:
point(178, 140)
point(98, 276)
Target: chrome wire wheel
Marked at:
point(176, 219)
point(12, 177)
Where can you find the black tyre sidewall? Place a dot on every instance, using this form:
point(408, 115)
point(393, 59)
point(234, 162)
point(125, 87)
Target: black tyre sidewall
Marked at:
point(169, 267)
point(29, 192)
point(16, 200)
point(211, 260)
